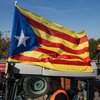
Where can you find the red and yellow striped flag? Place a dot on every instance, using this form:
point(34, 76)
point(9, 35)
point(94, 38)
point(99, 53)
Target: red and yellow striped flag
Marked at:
point(51, 45)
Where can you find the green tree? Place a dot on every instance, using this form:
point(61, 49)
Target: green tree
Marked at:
point(4, 46)
point(98, 40)
point(0, 45)
point(92, 48)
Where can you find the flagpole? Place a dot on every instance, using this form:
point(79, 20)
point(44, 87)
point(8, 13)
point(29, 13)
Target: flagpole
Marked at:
point(16, 2)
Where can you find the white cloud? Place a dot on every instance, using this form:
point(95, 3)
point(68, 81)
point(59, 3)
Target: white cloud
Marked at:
point(80, 9)
point(49, 9)
point(53, 10)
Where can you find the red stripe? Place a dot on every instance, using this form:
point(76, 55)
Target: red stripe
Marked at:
point(87, 59)
point(48, 52)
point(56, 55)
point(59, 45)
point(55, 33)
point(56, 61)
point(2, 66)
point(2, 71)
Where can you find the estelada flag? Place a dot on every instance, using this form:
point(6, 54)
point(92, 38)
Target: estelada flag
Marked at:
point(38, 41)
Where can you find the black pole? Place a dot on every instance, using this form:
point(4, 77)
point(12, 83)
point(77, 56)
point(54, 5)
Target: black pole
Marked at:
point(90, 89)
point(6, 89)
point(73, 88)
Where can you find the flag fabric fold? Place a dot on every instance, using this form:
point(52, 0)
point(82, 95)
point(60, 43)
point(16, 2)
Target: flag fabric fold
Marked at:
point(38, 41)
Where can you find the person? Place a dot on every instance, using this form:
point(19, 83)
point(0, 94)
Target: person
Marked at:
point(56, 91)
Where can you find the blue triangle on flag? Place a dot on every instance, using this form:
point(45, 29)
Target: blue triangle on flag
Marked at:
point(23, 37)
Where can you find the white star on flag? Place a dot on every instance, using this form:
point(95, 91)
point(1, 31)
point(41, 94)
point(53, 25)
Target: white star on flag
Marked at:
point(22, 39)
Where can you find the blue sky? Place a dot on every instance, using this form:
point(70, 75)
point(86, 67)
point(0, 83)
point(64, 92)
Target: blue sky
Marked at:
point(77, 15)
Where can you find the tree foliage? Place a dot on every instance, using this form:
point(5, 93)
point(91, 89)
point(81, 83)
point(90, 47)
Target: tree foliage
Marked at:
point(92, 47)
point(4, 46)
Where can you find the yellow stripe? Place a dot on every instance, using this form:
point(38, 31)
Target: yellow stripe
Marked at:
point(61, 52)
point(37, 54)
point(50, 24)
point(54, 39)
point(40, 55)
point(61, 67)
